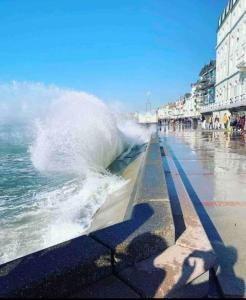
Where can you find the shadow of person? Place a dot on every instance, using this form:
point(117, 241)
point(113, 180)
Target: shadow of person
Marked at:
point(165, 276)
point(132, 233)
point(231, 284)
point(223, 282)
point(130, 247)
point(196, 264)
point(145, 277)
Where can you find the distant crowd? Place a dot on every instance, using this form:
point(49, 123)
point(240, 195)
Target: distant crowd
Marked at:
point(232, 123)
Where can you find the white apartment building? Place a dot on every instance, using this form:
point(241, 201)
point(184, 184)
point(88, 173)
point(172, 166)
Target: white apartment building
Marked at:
point(230, 88)
point(163, 112)
point(191, 106)
point(169, 111)
point(185, 107)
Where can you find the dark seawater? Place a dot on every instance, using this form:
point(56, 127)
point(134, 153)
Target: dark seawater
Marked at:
point(38, 210)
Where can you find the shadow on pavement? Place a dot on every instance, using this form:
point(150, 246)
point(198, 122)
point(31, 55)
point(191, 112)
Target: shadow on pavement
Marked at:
point(227, 255)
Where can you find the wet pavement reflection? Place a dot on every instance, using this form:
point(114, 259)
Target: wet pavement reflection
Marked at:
point(212, 165)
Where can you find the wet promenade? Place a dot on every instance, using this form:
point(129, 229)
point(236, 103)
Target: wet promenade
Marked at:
point(213, 168)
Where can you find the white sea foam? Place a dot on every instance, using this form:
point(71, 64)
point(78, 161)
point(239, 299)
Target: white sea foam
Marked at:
point(74, 134)
point(78, 135)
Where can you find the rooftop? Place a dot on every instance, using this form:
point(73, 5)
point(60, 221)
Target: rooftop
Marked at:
point(230, 5)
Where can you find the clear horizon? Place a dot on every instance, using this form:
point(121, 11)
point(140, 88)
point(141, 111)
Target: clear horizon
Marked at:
point(116, 50)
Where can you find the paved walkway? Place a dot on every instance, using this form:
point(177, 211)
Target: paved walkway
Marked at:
point(213, 169)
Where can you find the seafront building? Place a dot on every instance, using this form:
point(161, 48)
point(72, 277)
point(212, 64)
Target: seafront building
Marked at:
point(164, 112)
point(221, 86)
point(230, 86)
point(205, 89)
point(206, 84)
point(190, 104)
point(150, 117)
point(173, 110)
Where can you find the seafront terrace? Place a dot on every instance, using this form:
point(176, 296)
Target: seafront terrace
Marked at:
point(236, 102)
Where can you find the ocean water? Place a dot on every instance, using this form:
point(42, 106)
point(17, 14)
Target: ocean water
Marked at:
point(55, 147)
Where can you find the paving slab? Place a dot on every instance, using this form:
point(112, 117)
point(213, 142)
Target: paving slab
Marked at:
point(177, 266)
point(219, 187)
point(197, 167)
point(198, 288)
point(107, 288)
point(56, 271)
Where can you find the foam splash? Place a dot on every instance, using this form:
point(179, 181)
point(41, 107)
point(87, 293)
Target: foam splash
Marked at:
point(74, 135)
point(78, 135)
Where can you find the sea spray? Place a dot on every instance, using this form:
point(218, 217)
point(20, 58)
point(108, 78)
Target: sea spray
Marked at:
point(55, 147)
point(78, 135)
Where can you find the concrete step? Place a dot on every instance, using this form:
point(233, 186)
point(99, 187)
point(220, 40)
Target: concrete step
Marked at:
point(148, 228)
point(56, 271)
point(198, 288)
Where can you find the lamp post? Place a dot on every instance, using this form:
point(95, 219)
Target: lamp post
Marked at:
point(148, 103)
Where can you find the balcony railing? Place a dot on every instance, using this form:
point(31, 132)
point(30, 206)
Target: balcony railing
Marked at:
point(231, 103)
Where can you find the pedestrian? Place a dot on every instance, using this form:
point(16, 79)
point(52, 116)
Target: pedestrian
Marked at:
point(216, 122)
point(203, 122)
point(225, 120)
point(229, 127)
point(238, 123)
point(211, 122)
point(233, 122)
point(242, 124)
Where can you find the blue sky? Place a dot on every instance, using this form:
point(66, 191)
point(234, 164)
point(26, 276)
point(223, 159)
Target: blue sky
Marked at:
point(116, 49)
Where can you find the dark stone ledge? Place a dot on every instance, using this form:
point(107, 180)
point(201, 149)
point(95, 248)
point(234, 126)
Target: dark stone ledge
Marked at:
point(56, 271)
